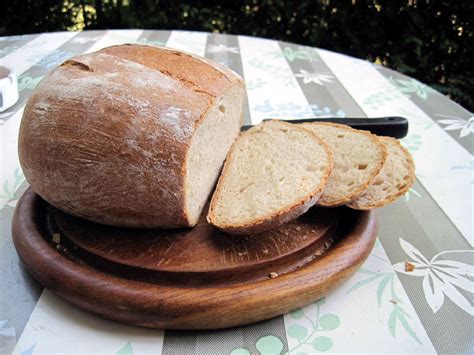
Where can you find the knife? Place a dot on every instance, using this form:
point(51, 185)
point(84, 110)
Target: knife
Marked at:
point(396, 127)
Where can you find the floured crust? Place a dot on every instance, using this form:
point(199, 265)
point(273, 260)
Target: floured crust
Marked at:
point(105, 136)
point(279, 217)
point(366, 184)
point(199, 74)
point(410, 173)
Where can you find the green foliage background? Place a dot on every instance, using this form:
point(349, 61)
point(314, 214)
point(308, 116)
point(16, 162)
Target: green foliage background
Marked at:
point(429, 40)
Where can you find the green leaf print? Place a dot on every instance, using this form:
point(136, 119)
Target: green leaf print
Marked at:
point(363, 283)
point(407, 327)
point(394, 296)
point(275, 70)
point(329, 322)
point(412, 142)
point(19, 178)
point(150, 41)
point(28, 82)
point(398, 314)
point(298, 314)
point(126, 349)
point(302, 54)
point(266, 345)
point(322, 343)
point(366, 271)
point(411, 87)
point(298, 331)
point(381, 288)
point(392, 321)
point(6, 50)
point(256, 83)
point(11, 186)
point(321, 301)
point(270, 345)
point(411, 192)
point(6, 190)
point(292, 54)
point(382, 98)
point(306, 330)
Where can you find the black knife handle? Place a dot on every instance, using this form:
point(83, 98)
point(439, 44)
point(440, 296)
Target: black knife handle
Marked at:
point(396, 127)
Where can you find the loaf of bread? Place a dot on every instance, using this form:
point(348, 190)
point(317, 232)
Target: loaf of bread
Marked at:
point(274, 173)
point(131, 135)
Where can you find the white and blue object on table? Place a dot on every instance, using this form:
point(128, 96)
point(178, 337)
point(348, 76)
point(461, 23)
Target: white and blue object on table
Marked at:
point(8, 88)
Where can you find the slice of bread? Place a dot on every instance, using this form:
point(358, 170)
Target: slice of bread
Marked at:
point(358, 158)
point(393, 181)
point(274, 173)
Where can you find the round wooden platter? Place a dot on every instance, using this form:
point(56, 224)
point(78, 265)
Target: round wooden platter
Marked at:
point(196, 278)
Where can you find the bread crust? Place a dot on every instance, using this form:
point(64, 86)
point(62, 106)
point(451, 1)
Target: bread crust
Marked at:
point(105, 136)
point(399, 193)
point(279, 217)
point(363, 187)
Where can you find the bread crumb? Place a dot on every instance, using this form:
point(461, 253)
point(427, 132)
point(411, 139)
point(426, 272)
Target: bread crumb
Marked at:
point(409, 267)
point(265, 251)
point(273, 275)
point(56, 238)
point(242, 254)
point(298, 228)
point(318, 253)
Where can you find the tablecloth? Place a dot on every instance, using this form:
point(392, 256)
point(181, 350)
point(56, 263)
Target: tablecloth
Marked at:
point(382, 308)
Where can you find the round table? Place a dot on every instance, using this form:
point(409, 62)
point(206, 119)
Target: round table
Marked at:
point(382, 308)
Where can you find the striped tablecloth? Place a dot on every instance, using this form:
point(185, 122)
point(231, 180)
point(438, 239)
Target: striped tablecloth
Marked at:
point(380, 309)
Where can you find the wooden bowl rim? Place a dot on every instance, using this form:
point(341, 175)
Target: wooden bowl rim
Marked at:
point(159, 306)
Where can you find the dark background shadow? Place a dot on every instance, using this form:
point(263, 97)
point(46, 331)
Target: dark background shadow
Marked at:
point(430, 40)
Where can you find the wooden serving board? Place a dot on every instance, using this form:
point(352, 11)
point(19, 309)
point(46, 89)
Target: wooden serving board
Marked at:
point(196, 278)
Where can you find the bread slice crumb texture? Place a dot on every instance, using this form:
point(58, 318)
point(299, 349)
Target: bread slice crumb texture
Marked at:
point(393, 181)
point(274, 173)
point(358, 158)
